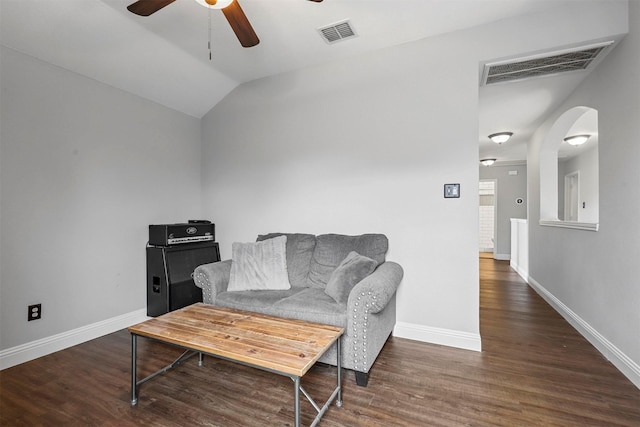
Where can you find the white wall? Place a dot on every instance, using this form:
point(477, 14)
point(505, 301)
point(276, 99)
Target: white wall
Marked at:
point(85, 168)
point(364, 145)
point(593, 277)
point(509, 188)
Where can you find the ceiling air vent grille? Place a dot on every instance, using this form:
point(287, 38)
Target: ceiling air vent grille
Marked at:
point(337, 32)
point(543, 65)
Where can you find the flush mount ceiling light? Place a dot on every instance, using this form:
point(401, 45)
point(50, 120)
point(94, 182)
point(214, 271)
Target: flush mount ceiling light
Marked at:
point(215, 4)
point(500, 137)
point(577, 139)
point(487, 162)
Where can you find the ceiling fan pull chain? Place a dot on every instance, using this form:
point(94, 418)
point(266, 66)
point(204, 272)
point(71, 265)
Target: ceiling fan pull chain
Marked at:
point(209, 34)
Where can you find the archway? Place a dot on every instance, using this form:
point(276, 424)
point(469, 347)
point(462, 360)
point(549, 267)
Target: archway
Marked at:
point(576, 120)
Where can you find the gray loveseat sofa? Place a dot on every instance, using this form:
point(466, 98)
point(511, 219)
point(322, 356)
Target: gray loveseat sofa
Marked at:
point(367, 312)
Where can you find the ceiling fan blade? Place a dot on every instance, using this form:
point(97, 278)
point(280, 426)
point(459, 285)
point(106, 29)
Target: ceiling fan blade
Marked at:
point(317, 1)
point(240, 25)
point(148, 7)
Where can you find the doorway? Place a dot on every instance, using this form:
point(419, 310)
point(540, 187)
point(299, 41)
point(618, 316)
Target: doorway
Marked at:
point(487, 215)
point(572, 196)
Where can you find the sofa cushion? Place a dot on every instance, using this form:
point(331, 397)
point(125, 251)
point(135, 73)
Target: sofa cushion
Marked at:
point(309, 304)
point(312, 305)
point(331, 249)
point(258, 301)
point(259, 266)
point(299, 251)
point(350, 272)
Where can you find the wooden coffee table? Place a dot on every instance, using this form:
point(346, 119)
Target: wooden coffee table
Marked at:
point(283, 346)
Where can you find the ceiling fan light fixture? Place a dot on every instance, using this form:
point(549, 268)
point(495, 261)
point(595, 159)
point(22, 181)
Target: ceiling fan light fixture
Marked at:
point(214, 4)
point(500, 137)
point(487, 162)
point(577, 139)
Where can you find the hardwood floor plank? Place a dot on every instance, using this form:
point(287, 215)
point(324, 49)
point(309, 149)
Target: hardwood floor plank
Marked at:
point(534, 370)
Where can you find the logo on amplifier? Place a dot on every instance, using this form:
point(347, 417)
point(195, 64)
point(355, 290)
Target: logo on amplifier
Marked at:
point(192, 230)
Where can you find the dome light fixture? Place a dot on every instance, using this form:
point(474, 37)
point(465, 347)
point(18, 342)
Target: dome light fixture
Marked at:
point(577, 139)
point(487, 162)
point(214, 4)
point(500, 137)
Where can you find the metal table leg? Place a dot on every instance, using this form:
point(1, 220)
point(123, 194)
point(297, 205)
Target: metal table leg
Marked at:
point(134, 381)
point(339, 363)
point(336, 395)
point(296, 401)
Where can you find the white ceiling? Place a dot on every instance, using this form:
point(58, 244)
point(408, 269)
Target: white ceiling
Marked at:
point(165, 57)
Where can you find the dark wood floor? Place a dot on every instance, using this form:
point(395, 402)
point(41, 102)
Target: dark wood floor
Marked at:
point(534, 370)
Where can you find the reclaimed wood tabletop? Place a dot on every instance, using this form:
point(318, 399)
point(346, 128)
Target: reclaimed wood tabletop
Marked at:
point(288, 346)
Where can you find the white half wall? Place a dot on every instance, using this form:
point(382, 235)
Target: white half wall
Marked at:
point(520, 247)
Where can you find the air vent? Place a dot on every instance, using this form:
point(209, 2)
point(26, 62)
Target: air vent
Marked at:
point(543, 65)
point(337, 32)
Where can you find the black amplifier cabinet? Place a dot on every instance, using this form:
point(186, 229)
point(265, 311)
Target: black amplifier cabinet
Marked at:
point(175, 234)
point(170, 284)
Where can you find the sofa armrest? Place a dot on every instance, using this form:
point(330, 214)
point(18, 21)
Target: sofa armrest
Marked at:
point(372, 293)
point(371, 317)
point(212, 278)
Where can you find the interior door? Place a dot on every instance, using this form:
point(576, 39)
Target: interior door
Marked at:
point(487, 215)
point(572, 196)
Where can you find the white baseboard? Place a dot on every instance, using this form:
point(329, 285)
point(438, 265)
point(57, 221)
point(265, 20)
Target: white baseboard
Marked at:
point(628, 367)
point(502, 257)
point(448, 337)
point(32, 350)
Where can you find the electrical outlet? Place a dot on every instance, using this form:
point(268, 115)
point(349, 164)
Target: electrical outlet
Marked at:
point(35, 312)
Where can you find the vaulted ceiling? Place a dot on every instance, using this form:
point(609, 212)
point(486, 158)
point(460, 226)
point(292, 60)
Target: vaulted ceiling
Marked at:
point(165, 57)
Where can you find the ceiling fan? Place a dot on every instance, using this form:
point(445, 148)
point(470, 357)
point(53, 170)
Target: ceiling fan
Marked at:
point(231, 10)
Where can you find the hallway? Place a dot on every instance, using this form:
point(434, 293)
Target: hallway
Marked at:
point(554, 373)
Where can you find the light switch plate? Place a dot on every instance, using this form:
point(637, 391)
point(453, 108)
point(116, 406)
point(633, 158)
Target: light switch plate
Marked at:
point(451, 191)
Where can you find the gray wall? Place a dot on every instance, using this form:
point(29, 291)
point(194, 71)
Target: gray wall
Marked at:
point(509, 188)
point(596, 275)
point(84, 169)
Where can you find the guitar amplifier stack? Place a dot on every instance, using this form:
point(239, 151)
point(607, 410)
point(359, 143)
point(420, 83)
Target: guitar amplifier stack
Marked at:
point(173, 252)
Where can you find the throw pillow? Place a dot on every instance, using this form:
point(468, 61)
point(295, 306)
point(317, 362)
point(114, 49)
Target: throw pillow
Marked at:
point(349, 273)
point(299, 252)
point(331, 249)
point(259, 265)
